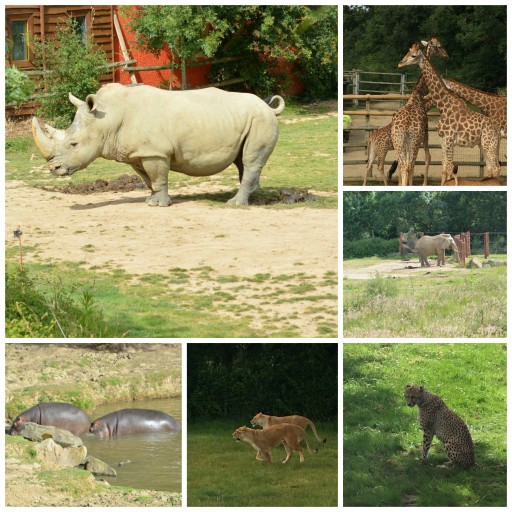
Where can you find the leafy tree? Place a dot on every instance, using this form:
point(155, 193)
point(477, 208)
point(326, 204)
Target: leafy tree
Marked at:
point(18, 86)
point(72, 65)
point(262, 34)
point(375, 38)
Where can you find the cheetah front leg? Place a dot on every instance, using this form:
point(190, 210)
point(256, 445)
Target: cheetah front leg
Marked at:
point(427, 441)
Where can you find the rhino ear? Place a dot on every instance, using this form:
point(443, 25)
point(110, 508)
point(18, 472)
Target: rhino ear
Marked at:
point(91, 102)
point(78, 103)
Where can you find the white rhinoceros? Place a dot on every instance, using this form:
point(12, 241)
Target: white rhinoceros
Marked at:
point(198, 133)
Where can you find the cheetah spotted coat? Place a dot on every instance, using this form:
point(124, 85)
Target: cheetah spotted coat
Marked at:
point(437, 419)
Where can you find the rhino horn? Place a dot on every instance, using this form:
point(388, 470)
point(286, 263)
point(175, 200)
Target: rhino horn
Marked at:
point(78, 103)
point(45, 145)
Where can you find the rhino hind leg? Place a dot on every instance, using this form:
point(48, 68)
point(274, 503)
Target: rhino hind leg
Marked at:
point(250, 183)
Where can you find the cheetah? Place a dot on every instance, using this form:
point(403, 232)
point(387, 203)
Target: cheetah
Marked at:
point(437, 419)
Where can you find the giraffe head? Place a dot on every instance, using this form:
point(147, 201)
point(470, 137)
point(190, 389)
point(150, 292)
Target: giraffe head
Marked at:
point(433, 47)
point(413, 56)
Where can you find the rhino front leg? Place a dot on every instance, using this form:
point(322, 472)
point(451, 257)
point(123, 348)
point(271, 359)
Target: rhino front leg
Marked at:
point(157, 171)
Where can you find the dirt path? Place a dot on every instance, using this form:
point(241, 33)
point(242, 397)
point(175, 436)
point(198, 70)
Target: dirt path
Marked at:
point(46, 367)
point(393, 268)
point(118, 230)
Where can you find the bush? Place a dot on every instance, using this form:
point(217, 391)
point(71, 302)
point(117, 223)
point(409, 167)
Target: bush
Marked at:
point(319, 57)
point(73, 65)
point(18, 86)
point(29, 313)
point(368, 247)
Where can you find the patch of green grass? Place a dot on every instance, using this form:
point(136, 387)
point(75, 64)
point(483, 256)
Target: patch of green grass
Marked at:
point(382, 440)
point(312, 164)
point(463, 303)
point(224, 473)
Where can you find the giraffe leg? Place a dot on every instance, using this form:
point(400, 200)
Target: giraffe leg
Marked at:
point(447, 147)
point(490, 148)
point(427, 159)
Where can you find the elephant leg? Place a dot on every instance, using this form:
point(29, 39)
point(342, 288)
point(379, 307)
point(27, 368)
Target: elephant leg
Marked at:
point(157, 170)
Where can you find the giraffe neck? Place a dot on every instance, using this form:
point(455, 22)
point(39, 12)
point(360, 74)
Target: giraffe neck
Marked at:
point(421, 87)
point(439, 93)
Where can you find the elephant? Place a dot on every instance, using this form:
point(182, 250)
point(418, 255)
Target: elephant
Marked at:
point(428, 245)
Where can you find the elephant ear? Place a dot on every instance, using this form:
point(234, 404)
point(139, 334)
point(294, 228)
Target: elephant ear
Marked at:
point(446, 243)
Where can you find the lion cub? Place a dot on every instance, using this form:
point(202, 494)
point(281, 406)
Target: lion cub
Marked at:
point(264, 420)
point(264, 440)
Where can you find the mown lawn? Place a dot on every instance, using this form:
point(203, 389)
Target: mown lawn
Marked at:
point(382, 440)
point(224, 473)
point(465, 303)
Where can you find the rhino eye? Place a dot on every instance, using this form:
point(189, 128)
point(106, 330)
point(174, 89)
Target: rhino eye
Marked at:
point(73, 144)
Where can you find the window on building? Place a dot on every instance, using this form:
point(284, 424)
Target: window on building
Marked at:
point(80, 27)
point(19, 31)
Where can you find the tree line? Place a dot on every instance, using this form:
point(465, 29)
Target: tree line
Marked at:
point(387, 214)
point(239, 380)
point(375, 38)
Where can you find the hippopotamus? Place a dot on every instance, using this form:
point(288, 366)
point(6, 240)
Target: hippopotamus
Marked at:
point(133, 421)
point(55, 414)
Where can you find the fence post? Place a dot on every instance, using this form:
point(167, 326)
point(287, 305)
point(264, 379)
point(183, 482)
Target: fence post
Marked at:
point(355, 81)
point(486, 244)
point(402, 84)
point(468, 242)
point(401, 244)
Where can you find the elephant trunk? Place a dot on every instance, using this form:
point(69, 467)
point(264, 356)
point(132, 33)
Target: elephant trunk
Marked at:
point(44, 144)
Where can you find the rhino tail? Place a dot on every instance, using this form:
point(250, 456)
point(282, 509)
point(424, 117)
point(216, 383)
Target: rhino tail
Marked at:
point(280, 107)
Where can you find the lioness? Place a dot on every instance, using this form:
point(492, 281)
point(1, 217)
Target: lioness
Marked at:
point(264, 440)
point(264, 420)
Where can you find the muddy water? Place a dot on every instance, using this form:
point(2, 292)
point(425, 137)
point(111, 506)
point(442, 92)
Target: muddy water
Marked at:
point(154, 459)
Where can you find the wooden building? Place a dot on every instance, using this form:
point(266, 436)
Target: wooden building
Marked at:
point(24, 22)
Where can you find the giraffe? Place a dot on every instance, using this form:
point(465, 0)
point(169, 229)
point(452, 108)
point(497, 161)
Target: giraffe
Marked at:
point(379, 143)
point(492, 105)
point(410, 125)
point(457, 125)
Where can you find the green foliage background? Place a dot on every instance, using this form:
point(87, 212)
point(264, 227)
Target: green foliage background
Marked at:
point(381, 436)
point(239, 380)
point(304, 35)
point(73, 65)
point(375, 38)
point(387, 214)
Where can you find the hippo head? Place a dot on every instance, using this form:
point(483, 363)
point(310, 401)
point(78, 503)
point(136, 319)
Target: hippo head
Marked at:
point(16, 426)
point(71, 150)
point(99, 428)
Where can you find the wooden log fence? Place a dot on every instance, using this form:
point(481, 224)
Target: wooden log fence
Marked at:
point(368, 113)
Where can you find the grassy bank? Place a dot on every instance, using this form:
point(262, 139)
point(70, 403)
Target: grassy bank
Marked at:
point(465, 303)
point(87, 378)
point(381, 438)
point(224, 473)
point(163, 305)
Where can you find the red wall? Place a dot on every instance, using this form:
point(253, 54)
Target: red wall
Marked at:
point(197, 75)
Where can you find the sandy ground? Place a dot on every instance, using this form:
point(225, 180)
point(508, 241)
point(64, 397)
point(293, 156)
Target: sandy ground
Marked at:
point(118, 230)
point(61, 363)
point(121, 228)
point(353, 174)
point(394, 268)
